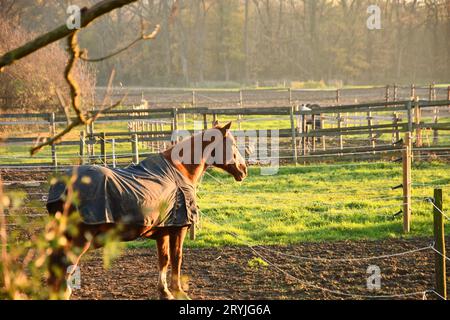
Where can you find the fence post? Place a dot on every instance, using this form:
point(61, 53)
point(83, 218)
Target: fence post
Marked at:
point(406, 157)
point(431, 97)
point(322, 126)
point(338, 96)
point(82, 147)
point(113, 151)
point(103, 148)
point(161, 129)
point(395, 133)
point(409, 115)
point(53, 133)
point(135, 148)
point(192, 231)
point(205, 121)
point(290, 96)
point(439, 243)
point(150, 129)
point(418, 115)
point(304, 132)
point(241, 103)
point(293, 135)
point(91, 149)
point(395, 92)
point(371, 135)
point(175, 124)
point(339, 123)
point(298, 118)
point(413, 91)
point(147, 129)
point(436, 121)
point(313, 128)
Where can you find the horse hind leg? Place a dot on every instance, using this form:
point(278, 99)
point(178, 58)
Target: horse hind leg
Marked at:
point(177, 236)
point(162, 243)
point(57, 267)
point(59, 263)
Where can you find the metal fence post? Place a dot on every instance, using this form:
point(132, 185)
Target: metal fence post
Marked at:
point(82, 147)
point(53, 133)
point(439, 243)
point(406, 157)
point(293, 136)
point(135, 148)
point(113, 151)
point(103, 148)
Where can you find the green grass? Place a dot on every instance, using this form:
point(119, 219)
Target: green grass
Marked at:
point(314, 203)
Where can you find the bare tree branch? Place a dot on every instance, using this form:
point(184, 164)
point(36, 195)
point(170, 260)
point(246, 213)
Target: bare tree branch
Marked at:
point(75, 92)
point(109, 87)
point(62, 31)
point(87, 16)
point(57, 138)
point(64, 107)
point(141, 37)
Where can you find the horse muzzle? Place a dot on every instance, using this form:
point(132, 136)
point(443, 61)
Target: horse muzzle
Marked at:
point(242, 173)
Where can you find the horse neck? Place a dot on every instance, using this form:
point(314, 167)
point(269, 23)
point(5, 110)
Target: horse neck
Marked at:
point(191, 171)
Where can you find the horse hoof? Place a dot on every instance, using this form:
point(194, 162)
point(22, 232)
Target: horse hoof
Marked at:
point(181, 295)
point(166, 295)
point(67, 294)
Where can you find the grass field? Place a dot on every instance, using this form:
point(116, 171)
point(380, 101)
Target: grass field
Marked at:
point(314, 203)
point(324, 202)
point(303, 203)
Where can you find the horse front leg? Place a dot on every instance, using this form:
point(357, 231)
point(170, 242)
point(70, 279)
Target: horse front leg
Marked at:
point(162, 243)
point(176, 255)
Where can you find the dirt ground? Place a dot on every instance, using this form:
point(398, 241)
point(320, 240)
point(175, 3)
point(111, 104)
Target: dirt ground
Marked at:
point(225, 273)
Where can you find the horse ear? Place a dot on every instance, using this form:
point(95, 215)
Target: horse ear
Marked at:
point(225, 128)
point(215, 123)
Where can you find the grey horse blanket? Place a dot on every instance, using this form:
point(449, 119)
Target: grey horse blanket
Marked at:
point(151, 193)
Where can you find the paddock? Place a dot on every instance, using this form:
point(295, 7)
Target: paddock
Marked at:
point(239, 256)
point(355, 192)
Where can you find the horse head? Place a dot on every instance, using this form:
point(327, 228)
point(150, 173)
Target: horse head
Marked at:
point(229, 159)
point(212, 147)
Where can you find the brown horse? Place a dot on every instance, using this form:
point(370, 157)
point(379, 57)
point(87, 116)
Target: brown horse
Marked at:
point(169, 239)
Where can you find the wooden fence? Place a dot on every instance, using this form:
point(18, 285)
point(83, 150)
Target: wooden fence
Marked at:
point(313, 133)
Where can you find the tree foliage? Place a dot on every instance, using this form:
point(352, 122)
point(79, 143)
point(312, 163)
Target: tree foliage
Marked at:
point(222, 41)
point(35, 83)
point(243, 41)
